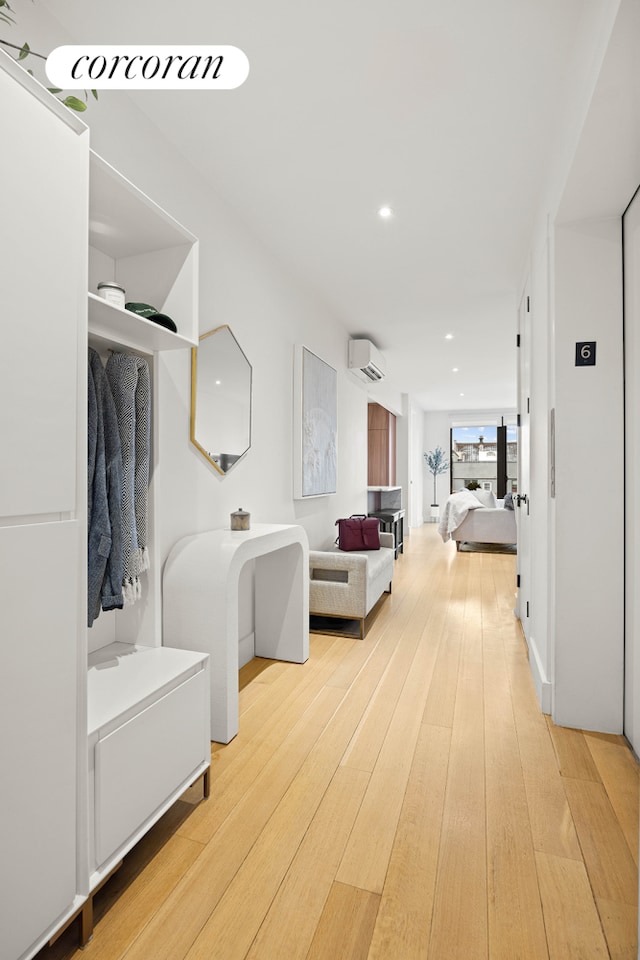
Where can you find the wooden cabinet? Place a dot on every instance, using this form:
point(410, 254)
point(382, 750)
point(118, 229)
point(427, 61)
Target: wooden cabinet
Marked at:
point(66, 818)
point(382, 446)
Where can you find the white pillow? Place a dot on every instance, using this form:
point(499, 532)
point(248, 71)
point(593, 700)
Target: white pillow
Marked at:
point(486, 497)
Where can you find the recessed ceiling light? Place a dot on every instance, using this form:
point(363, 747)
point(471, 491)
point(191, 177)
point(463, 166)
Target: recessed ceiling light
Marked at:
point(462, 394)
point(454, 370)
point(385, 212)
point(217, 383)
point(448, 336)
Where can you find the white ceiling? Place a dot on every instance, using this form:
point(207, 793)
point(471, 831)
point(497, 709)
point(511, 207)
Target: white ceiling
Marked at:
point(447, 110)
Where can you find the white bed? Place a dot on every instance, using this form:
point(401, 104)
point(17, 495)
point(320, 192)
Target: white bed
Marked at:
point(467, 520)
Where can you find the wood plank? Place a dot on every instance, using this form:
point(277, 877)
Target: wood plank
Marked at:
point(290, 923)
point(574, 758)
point(610, 866)
point(233, 925)
point(619, 773)
point(408, 582)
point(252, 670)
point(247, 696)
point(285, 799)
point(552, 827)
point(620, 924)
point(365, 746)
point(346, 925)
point(237, 765)
point(180, 919)
point(403, 924)
point(138, 902)
point(440, 705)
point(516, 925)
point(226, 853)
point(461, 886)
point(237, 917)
point(570, 914)
point(366, 858)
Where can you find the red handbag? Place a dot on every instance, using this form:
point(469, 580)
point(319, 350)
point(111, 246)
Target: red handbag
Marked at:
point(358, 532)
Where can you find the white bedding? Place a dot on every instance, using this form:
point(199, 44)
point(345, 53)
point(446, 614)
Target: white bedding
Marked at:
point(465, 519)
point(455, 510)
point(488, 525)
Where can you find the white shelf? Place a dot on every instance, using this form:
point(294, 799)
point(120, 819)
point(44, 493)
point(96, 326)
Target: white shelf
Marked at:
point(124, 221)
point(154, 258)
point(119, 328)
point(122, 677)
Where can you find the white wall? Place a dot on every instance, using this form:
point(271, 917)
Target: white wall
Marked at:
point(437, 425)
point(410, 461)
point(403, 455)
point(589, 508)
point(574, 268)
point(417, 476)
point(268, 310)
point(243, 285)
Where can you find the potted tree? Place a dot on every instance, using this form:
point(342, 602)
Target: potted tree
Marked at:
point(437, 463)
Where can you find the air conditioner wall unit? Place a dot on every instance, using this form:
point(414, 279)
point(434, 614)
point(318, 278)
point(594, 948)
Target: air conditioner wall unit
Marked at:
point(366, 361)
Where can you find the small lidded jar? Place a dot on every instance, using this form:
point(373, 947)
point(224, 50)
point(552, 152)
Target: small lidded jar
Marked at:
point(240, 519)
point(112, 292)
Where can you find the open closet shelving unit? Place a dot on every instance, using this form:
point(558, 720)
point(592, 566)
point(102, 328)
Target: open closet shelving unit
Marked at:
point(115, 724)
point(147, 703)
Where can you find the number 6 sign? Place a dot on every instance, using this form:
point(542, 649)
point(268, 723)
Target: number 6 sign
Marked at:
point(586, 354)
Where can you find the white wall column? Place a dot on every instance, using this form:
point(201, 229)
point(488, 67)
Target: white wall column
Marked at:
point(589, 516)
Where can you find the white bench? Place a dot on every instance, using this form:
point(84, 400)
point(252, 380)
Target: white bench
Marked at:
point(348, 584)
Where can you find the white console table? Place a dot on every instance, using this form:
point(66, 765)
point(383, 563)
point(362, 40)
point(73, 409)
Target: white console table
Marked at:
point(200, 604)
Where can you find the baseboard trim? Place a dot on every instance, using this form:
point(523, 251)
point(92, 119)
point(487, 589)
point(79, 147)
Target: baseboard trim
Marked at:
point(246, 649)
point(543, 686)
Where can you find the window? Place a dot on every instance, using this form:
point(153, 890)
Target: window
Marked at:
point(487, 455)
point(512, 459)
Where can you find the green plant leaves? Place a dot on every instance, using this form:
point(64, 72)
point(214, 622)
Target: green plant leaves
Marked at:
point(4, 16)
point(75, 104)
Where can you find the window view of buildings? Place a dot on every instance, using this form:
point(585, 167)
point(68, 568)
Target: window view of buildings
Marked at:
point(486, 455)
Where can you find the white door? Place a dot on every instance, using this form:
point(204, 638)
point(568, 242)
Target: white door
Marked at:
point(521, 500)
point(39, 565)
point(43, 251)
point(631, 233)
point(43, 246)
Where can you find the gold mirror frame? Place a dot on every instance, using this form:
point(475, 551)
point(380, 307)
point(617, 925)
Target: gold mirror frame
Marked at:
point(210, 457)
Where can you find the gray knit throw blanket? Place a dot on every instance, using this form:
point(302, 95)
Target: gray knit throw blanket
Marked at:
point(129, 381)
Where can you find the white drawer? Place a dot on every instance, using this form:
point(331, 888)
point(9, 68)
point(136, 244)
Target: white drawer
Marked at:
point(142, 763)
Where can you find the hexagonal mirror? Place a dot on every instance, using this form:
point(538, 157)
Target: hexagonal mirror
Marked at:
point(220, 399)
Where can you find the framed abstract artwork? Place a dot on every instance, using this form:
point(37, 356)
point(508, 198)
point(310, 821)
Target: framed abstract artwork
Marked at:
point(315, 425)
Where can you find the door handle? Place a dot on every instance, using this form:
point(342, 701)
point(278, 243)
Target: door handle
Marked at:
point(521, 498)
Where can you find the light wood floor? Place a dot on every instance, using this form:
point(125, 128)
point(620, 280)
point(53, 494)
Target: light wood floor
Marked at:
point(395, 798)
